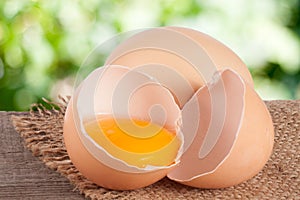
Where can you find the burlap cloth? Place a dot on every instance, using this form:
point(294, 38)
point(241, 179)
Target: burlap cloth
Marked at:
point(42, 132)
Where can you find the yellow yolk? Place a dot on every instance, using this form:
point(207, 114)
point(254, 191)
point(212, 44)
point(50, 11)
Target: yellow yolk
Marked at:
point(136, 142)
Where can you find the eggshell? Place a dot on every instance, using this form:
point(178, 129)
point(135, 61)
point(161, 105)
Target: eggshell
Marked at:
point(216, 158)
point(96, 95)
point(192, 56)
point(222, 56)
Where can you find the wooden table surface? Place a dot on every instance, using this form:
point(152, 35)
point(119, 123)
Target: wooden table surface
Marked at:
point(23, 176)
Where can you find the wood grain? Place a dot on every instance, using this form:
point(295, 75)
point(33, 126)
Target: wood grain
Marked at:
point(23, 176)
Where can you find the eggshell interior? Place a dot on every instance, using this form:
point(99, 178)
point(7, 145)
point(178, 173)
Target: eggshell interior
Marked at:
point(207, 144)
point(168, 76)
point(246, 138)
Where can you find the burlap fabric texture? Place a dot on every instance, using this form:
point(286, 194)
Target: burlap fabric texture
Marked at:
point(43, 135)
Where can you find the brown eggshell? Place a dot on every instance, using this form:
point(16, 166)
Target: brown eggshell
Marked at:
point(222, 56)
point(242, 148)
point(183, 61)
point(95, 170)
point(192, 55)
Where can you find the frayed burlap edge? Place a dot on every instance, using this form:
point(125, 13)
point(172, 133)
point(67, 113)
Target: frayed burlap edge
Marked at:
point(43, 135)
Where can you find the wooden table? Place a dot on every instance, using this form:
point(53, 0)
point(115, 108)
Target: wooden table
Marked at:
point(23, 176)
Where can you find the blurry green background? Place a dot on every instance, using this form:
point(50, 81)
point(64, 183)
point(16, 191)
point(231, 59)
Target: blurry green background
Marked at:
point(43, 43)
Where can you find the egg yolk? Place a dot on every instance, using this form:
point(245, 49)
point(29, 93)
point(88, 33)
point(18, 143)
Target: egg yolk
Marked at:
point(136, 142)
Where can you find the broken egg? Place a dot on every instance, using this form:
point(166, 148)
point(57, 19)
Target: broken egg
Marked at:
point(124, 94)
point(169, 102)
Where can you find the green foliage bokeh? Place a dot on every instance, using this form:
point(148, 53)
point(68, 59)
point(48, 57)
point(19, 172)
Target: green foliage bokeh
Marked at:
point(43, 43)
